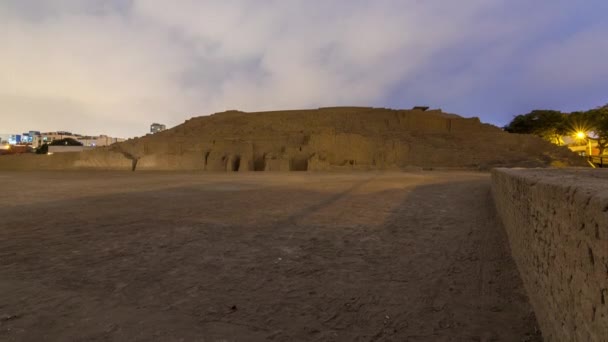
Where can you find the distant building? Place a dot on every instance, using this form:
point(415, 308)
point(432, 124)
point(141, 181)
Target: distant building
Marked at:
point(32, 138)
point(48, 137)
point(86, 140)
point(156, 127)
point(584, 147)
point(35, 139)
point(97, 141)
point(14, 139)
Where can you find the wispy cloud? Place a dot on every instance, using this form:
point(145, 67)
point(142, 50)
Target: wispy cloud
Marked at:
point(115, 66)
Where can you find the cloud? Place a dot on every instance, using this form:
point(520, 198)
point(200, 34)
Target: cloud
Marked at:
point(116, 66)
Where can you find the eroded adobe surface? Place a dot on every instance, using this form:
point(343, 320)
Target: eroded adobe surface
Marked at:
point(340, 138)
point(557, 223)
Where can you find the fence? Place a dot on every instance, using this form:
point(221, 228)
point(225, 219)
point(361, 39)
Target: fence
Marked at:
point(600, 161)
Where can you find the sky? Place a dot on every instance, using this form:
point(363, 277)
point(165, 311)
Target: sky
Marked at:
point(116, 66)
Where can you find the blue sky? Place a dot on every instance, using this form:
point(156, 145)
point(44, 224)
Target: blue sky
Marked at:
point(113, 67)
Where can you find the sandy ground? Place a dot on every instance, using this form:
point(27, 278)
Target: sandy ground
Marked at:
point(112, 256)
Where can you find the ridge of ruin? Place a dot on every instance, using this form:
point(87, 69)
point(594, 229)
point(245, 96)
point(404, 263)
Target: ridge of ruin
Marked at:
point(332, 138)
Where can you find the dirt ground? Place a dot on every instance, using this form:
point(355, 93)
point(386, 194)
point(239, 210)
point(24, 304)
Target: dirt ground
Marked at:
point(117, 256)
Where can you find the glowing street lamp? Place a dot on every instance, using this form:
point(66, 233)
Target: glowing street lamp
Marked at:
point(580, 135)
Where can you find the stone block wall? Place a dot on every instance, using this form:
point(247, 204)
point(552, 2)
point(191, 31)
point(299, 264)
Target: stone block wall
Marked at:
point(557, 223)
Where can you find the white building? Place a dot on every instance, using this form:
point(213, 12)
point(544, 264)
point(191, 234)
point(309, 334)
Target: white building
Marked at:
point(102, 140)
point(91, 141)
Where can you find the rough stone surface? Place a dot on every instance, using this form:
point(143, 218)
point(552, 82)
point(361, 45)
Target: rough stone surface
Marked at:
point(557, 223)
point(339, 138)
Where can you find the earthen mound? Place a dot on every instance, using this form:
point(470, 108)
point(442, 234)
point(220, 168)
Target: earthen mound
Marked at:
point(338, 138)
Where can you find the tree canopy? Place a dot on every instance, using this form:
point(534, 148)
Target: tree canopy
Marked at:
point(548, 124)
point(599, 124)
point(65, 142)
point(553, 125)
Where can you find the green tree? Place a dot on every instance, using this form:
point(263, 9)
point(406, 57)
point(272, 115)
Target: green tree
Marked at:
point(598, 119)
point(551, 125)
point(65, 142)
point(44, 149)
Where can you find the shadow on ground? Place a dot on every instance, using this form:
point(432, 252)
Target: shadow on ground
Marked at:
point(405, 263)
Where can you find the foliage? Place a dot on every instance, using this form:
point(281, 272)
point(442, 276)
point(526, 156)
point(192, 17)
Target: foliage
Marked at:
point(599, 124)
point(548, 124)
point(44, 149)
point(65, 142)
point(552, 125)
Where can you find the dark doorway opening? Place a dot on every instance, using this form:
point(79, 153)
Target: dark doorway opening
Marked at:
point(299, 164)
point(236, 163)
point(259, 163)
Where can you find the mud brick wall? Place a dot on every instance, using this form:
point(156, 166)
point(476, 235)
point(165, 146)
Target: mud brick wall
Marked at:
point(557, 223)
point(337, 138)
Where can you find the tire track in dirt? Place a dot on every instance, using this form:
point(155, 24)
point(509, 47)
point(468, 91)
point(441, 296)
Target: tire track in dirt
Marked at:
point(332, 200)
